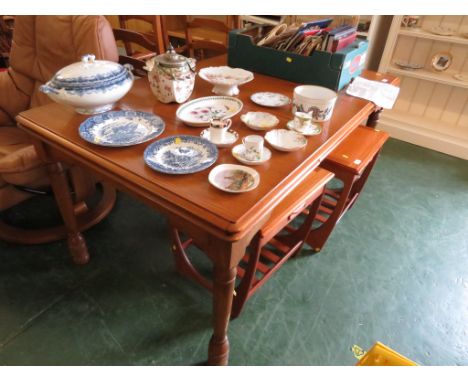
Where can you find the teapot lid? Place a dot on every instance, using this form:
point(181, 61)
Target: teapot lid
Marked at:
point(171, 58)
point(88, 72)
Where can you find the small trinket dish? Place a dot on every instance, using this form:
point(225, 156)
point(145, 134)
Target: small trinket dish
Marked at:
point(238, 152)
point(259, 120)
point(234, 178)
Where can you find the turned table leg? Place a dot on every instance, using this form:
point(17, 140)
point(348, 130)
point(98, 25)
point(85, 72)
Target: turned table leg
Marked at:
point(223, 293)
point(76, 243)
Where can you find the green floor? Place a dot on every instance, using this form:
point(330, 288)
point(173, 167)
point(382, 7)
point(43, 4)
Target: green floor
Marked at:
point(395, 270)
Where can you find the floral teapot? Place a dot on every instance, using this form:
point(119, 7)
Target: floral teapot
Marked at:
point(171, 76)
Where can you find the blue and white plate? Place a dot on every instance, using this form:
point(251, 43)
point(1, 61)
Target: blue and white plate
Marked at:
point(121, 128)
point(181, 154)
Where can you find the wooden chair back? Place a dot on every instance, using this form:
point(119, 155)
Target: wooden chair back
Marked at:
point(137, 61)
point(200, 34)
point(158, 32)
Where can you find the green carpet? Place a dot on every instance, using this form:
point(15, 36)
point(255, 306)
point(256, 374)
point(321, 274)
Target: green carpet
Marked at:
point(395, 270)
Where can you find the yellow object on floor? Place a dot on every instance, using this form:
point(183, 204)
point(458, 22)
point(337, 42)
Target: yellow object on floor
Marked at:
point(381, 355)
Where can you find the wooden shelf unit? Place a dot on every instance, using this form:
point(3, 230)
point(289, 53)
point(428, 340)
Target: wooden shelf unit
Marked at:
point(432, 108)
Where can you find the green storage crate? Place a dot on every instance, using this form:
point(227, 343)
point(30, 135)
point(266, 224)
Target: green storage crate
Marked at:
point(332, 70)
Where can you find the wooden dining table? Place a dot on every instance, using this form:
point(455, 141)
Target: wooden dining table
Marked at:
point(221, 224)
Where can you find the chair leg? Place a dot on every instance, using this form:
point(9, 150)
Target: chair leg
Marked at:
point(318, 237)
point(361, 182)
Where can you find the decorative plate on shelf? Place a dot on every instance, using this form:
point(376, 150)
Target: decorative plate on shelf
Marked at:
point(270, 99)
point(121, 128)
point(441, 61)
point(461, 77)
point(286, 140)
point(234, 178)
point(441, 31)
point(200, 111)
point(181, 154)
point(408, 65)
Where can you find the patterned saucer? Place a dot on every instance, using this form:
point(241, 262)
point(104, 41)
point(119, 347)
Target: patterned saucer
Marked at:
point(121, 128)
point(310, 129)
point(231, 136)
point(180, 154)
point(270, 99)
point(200, 111)
point(286, 140)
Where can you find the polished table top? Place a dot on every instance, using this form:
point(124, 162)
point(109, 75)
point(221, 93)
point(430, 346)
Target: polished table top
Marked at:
point(228, 214)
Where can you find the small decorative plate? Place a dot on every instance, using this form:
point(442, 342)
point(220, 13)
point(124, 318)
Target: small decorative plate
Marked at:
point(230, 137)
point(225, 79)
point(461, 77)
point(441, 31)
point(200, 111)
point(259, 120)
point(270, 99)
point(408, 65)
point(234, 178)
point(286, 140)
point(310, 129)
point(121, 128)
point(239, 150)
point(180, 154)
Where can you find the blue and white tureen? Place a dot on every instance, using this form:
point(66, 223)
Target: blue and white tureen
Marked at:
point(90, 86)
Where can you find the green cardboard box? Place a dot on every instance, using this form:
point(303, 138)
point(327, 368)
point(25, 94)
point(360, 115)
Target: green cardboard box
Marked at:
point(332, 70)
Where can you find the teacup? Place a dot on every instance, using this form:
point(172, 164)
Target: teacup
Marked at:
point(253, 147)
point(218, 129)
point(315, 100)
point(302, 120)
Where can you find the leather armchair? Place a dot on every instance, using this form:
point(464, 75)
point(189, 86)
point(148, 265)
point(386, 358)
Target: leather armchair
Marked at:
point(41, 46)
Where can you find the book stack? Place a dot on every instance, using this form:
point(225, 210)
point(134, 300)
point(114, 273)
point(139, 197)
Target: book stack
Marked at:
point(339, 38)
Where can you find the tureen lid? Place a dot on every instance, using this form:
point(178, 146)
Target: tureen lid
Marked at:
point(88, 72)
point(171, 59)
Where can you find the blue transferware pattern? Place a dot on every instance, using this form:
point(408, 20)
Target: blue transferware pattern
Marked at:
point(181, 154)
point(121, 128)
point(99, 83)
